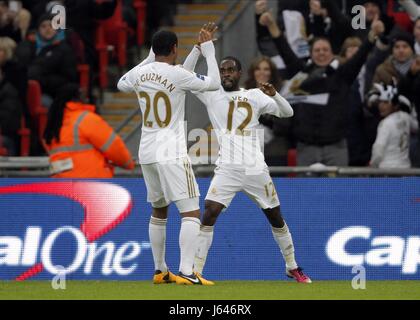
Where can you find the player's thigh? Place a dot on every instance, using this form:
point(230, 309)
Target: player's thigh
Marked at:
point(224, 186)
point(178, 180)
point(261, 189)
point(155, 192)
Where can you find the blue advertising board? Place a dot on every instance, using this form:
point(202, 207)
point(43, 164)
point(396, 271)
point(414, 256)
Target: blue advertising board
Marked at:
point(99, 230)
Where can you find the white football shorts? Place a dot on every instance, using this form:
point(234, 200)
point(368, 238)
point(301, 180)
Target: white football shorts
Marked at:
point(171, 181)
point(259, 187)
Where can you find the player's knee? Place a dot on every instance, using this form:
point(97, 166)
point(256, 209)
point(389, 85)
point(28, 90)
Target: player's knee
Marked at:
point(211, 213)
point(274, 217)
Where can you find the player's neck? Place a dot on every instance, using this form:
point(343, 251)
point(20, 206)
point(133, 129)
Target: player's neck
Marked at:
point(163, 59)
point(234, 89)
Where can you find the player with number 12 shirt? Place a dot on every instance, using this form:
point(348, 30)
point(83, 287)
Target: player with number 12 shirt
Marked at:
point(234, 114)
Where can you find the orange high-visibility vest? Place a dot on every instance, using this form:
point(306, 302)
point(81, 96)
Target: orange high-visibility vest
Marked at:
point(87, 145)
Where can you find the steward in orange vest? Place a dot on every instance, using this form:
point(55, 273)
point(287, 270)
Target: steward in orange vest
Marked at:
point(80, 143)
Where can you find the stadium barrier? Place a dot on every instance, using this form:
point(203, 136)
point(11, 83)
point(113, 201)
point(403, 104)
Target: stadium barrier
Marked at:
point(99, 230)
point(39, 167)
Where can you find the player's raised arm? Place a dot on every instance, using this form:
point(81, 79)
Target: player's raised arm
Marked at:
point(190, 81)
point(124, 84)
point(207, 33)
point(191, 61)
point(278, 106)
point(209, 52)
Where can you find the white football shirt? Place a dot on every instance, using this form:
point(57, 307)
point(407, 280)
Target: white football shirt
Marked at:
point(161, 90)
point(391, 148)
point(235, 119)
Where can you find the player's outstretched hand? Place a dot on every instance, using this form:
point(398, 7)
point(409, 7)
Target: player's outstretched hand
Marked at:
point(268, 89)
point(207, 32)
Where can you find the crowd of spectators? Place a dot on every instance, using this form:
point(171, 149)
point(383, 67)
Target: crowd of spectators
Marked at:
point(31, 48)
point(328, 61)
point(312, 52)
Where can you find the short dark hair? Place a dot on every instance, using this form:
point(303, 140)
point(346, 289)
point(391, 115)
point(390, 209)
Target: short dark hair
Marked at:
point(317, 39)
point(163, 42)
point(236, 60)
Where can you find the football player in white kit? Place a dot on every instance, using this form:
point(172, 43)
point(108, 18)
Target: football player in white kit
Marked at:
point(161, 87)
point(392, 144)
point(234, 115)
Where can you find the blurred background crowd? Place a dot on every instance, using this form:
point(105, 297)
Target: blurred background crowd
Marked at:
point(343, 75)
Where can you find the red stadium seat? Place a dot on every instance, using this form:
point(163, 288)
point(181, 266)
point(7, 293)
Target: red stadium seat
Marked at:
point(111, 33)
point(141, 9)
point(102, 49)
point(25, 138)
point(291, 161)
point(37, 111)
point(291, 158)
point(84, 70)
point(116, 31)
point(3, 150)
point(401, 17)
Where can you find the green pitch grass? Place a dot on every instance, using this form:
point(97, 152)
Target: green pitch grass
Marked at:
point(223, 290)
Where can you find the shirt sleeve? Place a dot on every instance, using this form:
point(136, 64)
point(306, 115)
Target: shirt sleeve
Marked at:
point(192, 59)
point(204, 97)
point(276, 106)
point(191, 81)
point(124, 84)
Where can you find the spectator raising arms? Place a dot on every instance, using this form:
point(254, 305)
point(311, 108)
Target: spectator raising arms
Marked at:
point(50, 60)
point(320, 117)
point(326, 20)
point(80, 143)
point(391, 148)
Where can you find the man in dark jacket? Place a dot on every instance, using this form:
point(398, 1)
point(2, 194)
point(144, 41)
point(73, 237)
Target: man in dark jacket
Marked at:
point(320, 115)
point(50, 60)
